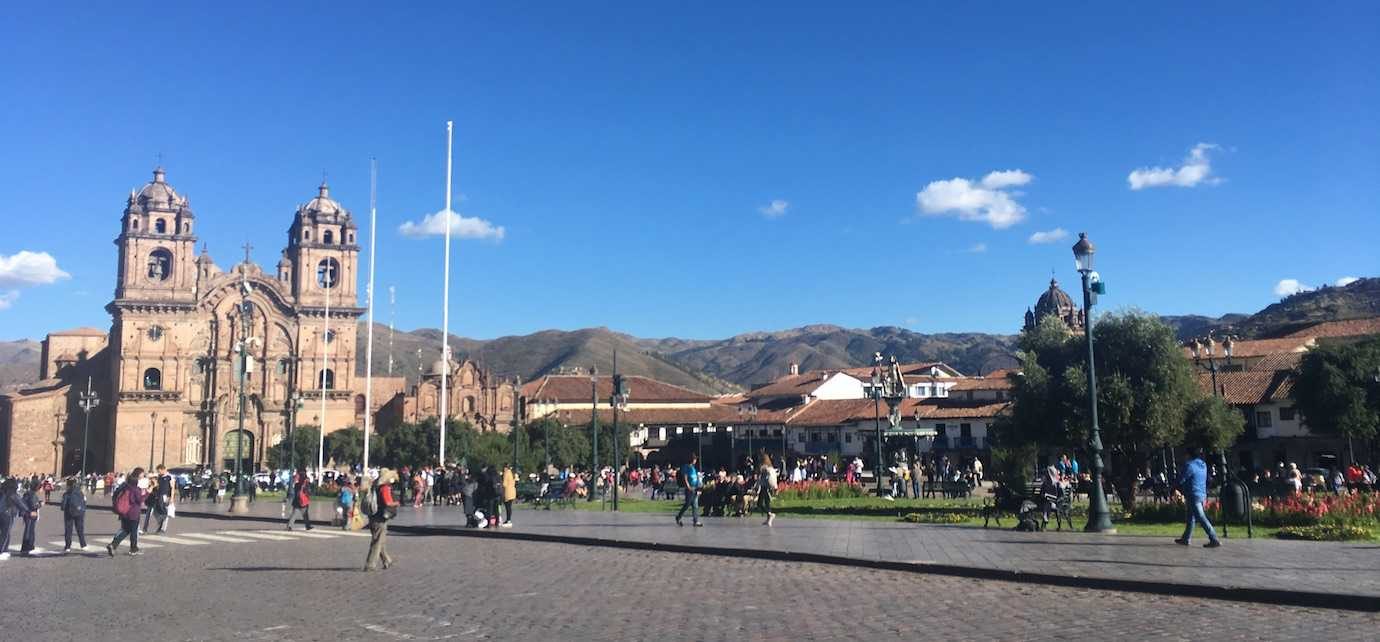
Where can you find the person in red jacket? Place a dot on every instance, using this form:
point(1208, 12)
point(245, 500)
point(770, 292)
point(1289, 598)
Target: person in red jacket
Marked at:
point(128, 504)
point(301, 499)
point(381, 507)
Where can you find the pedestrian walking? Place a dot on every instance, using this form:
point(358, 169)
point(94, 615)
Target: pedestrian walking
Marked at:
point(345, 503)
point(73, 515)
point(9, 508)
point(301, 499)
point(766, 487)
point(29, 504)
point(690, 485)
point(509, 495)
point(1193, 484)
point(127, 503)
point(160, 499)
point(381, 507)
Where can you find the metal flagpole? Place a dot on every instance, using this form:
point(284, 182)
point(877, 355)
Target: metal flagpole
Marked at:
point(329, 280)
point(369, 340)
point(392, 314)
point(445, 296)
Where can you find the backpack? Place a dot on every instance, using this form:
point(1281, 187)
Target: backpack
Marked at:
point(120, 504)
point(369, 503)
point(347, 497)
point(389, 512)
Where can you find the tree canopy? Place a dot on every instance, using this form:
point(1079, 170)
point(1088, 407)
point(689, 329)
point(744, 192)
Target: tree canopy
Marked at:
point(1335, 389)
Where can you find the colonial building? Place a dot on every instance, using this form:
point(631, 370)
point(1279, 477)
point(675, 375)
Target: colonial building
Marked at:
point(167, 375)
point(473, 394)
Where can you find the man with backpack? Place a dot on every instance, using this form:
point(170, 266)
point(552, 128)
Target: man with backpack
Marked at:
point(380, 506)
point(690, 485)
point(300, 496)
point(73, 515)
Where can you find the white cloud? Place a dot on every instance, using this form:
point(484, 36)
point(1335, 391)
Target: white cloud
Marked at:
point(1006, 178)
point(465, 227)
point(1345, 281)
point(1196, 169)
point(775, 209)
point(7, 299)
point(977, 248)
point(1286, 287)
point(987, 200)
point(1053, 236)
point(29, 268)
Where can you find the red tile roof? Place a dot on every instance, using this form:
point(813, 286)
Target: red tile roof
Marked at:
point(996, 381)
point(1334, 329)
point(832, 412)
point(1246, 349)
point(1250, 387)
point(569, 388)
point(793, 385)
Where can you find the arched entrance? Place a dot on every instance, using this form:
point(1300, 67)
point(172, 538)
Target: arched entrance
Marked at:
point(238, 443)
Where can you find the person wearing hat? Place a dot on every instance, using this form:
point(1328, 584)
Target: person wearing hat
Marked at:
point(381, 507)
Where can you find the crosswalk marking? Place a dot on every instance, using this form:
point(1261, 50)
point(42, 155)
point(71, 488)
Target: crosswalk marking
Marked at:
point(217, 538)
point(100, 548)
point(173, 540)
point(306, 534)
point(354, 533)
point(267, 536)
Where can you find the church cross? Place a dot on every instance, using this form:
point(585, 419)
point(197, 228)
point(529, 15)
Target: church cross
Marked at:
point(247, 248)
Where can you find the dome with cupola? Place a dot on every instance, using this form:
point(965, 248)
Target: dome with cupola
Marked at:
point(158, 195)
point(1056, 303)
point(325, 209)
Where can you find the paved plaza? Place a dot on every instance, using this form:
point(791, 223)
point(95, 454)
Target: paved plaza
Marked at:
point(1339, 575)
point(248, 580)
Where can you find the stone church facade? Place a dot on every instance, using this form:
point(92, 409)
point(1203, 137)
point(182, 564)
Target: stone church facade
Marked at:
point(167, 374)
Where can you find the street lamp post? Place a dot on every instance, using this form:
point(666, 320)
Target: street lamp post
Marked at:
point(877, 417)
point(748, 414)
point(1099, 518)
point(517, 420)
point(294, 406)
point(164, 458)
point(86, 401)
point(239, 502)
point(153, 435)
point(594, 430)
point(619, 401)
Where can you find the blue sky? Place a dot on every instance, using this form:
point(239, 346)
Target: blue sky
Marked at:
point(634, 154)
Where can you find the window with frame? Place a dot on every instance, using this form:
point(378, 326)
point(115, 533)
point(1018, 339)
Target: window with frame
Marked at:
point(1287, 413)
point(848, 438)
point(326, 379)
point(160, 226)
point(153, 379)
point(1263, 419)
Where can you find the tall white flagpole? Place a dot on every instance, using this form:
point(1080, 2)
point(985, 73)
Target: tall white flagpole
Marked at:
point(330, 283)
point(369, 341)
point(445, 296)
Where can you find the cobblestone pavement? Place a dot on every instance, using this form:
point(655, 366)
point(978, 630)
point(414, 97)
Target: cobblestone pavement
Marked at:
point(474, 588)
point(1319, 567)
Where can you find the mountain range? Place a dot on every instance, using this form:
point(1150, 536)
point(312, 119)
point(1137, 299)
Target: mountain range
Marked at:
point(725, 365)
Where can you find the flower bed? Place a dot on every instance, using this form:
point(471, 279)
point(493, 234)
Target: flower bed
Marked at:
point(819, 490)
point(1325, 533)
point(1361, 509)
point(936, 517)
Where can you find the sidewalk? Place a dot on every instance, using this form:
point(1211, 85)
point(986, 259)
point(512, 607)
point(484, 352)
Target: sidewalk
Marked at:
point(1319, 574)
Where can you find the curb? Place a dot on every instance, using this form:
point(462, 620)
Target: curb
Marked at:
point(1309, 599)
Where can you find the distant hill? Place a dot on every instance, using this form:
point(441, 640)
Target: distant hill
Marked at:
point(1356, 300)
point(759, 357)
point(18, 362)
point(531, 356)
point(724, 365)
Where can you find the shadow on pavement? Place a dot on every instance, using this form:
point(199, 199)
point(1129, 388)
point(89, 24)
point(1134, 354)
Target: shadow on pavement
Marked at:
point(258, 569)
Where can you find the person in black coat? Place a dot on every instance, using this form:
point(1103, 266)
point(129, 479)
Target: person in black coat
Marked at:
point(73, 515)
point(9, 507)
point(28, 509)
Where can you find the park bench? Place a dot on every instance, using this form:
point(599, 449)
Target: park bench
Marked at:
point(555, 495)
point(670, 489)
point(946, 489)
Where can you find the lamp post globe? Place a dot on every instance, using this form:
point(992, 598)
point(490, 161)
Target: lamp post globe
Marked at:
point(1099, 518)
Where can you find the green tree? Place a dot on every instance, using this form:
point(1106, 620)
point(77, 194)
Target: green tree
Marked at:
point(346, 447)
point(1213, 424)
point(1335, 389)
point(304, 442)
point(1146, 388)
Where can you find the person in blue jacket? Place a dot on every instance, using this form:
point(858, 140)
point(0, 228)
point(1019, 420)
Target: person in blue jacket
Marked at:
point(1193, 485)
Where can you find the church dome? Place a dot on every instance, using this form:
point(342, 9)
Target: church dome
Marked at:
point(1054, 301)
point(323, 207)
point(158, 194)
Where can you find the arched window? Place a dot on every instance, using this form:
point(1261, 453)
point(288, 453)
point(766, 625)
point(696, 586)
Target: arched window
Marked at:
point(160, 226)
point(153, 379)
point(359, 404)
point(352, 238)
point(186, 228)
point(327, 237)
point(160, 264)
point(306, 235)
point(330, 336)
point(327, 273)
point(469, 405)
point(326, 379)
point(134, 223)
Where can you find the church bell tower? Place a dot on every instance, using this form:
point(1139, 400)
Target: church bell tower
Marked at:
point(322, 253)
point(157, 245)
